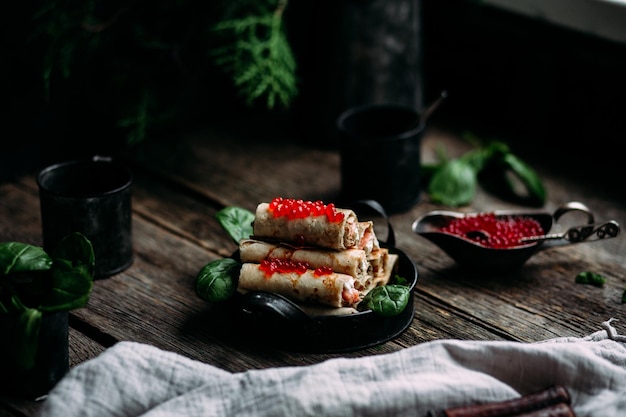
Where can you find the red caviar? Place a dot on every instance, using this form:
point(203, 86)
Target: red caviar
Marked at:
point(493, 231)
point(322, 270)
point(300, 209)
point(274, 265)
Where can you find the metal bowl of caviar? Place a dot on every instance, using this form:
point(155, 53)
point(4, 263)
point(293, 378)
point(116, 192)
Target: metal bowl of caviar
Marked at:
point(505, 239)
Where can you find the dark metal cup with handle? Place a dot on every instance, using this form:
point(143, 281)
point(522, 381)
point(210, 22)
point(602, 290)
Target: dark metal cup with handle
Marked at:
point(380, 146)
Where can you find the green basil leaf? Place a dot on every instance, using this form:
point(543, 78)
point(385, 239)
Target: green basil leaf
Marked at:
point(454, 184)
point(71, 287)
point(71, 276)
point(509, 178)
point(387, 300)
point(535, 191)
point(11, 304)
point(76, 248)
point(427, 171)
point(217, 280)
point(20, 257)
point(22, 329)
point(478, 158)
point(590, 278)
point(398, 280)
point(25, 340)
point(237, 222)
point(496, 147)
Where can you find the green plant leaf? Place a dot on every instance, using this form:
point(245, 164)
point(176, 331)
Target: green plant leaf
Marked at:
point(217, 280)
point(478, 158)
point(590, 278)
point(71, 287)
point(236, 221)
point(535, 191)
point(20, 257)
point(427, 171)
point(257, 56)
point(26, 338)
point(76, 248)
point(71, 275)
point(454, 183)
point(398, 280)
point(23, 334)
point(387, 300)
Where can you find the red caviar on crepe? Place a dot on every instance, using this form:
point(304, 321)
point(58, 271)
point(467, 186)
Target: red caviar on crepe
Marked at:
point(313, 253)
point(306, 223)
point(300, 283)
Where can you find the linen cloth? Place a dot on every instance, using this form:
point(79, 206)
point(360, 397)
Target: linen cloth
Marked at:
point(133, 379)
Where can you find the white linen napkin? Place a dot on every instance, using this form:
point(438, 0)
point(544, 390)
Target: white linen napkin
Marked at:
point(132, 379)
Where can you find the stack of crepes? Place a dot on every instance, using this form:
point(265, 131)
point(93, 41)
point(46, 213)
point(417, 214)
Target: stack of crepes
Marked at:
point(313, 253)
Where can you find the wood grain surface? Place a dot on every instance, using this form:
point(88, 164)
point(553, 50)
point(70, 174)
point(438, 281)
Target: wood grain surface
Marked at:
point(180, 184)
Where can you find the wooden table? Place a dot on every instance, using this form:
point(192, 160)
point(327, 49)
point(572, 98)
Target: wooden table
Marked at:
point(181, 182)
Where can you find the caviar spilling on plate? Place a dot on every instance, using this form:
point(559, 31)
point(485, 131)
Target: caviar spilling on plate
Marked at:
point(300, 209)
point(282, 266)
point(498, 232)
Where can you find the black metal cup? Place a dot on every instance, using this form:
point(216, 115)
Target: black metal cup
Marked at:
point(380, 146)
point(51, 361)
point(92, 197)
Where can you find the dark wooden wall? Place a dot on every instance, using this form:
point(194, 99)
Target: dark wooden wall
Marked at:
point(555, 90)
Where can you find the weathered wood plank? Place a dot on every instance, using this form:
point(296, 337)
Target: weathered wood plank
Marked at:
point(178, 189)
point(529, 305)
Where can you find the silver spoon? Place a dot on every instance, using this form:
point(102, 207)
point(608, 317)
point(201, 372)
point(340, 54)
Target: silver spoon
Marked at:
point(434, 106)
point(466, 251)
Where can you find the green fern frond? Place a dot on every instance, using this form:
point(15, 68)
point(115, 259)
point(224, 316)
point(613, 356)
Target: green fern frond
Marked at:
point(258, 57)
point(138, 123)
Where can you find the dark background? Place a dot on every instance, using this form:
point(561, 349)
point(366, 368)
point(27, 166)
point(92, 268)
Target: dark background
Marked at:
point(556, 95)
point(524, 77)
point(546, 89)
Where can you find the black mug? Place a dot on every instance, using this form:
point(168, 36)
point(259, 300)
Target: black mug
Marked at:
point(92, 197)
point(380, 146)
point(51, 361)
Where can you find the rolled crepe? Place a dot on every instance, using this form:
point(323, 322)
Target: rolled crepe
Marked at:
point(350, 261)
point(315, 230)
point(391, 265)
point(365, 268)
point(335, 290)
point(368, 241)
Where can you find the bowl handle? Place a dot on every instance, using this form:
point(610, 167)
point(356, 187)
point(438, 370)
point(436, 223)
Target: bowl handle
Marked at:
point(573, 206)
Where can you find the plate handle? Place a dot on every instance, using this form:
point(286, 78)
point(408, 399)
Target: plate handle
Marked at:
point(378, 208)
point(267, 304)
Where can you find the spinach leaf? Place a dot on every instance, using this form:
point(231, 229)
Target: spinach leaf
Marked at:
point(398, 280)
point(387, 300)
point(454, 183)
point(20, 257)
point(71, 287)
point(535, 192)
point(33, 283)
point(26, 338)
point(71, 274)
point(217, 280)
point(236, 221)
point(76, 249)
point(590, 278)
